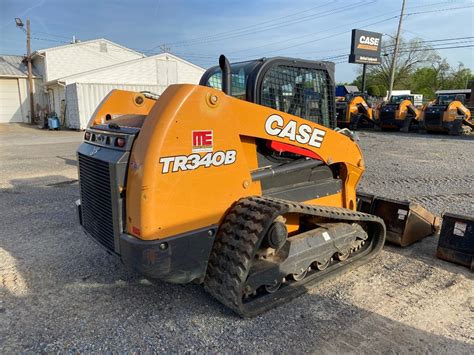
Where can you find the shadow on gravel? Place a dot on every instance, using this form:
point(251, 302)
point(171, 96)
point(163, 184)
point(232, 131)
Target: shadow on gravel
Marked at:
point(68, 161)
point(425, 251)
point(59, 291)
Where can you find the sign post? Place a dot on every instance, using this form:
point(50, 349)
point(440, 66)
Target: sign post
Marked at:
point(365, 49)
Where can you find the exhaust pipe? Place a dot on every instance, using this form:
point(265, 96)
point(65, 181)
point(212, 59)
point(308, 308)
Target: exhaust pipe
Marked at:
point(406, 222)
point(226, 74)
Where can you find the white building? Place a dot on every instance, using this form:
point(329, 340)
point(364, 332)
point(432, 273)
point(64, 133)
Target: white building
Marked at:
point(14, 93)
point(78, 76)
point(84, 91)
point(57, 62)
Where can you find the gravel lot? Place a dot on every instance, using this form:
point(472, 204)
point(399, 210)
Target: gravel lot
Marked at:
point(59, 292)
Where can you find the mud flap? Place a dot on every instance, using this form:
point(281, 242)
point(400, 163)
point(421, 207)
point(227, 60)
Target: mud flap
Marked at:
point(406, 222)
point(456, 240)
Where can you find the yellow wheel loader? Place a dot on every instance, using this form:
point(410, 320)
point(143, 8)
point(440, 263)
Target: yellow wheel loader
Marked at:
point(447, 114)
point(238, 183)
point(353, 112)
point(399, 113)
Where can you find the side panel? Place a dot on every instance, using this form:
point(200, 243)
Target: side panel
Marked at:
point(120, 102)
point(179, 180)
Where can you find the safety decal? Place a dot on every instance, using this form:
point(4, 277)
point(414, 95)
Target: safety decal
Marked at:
point(301, 133)
point(194, 161)
point(460, 229)
point(202, 141)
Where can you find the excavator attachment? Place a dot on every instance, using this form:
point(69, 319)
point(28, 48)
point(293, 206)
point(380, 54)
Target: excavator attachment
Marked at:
point(406, 222)
point(456, 240)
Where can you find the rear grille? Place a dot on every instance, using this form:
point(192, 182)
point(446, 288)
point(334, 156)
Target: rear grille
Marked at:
point(387, 116)
point(432, 118)
point(96, 200)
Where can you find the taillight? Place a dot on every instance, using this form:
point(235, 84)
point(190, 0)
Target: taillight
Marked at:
point(87, 136)
point(120, 142)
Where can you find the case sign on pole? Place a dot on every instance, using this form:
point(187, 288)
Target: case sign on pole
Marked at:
point(365, 47)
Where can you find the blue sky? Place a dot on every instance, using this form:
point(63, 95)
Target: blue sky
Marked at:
point(201, 30)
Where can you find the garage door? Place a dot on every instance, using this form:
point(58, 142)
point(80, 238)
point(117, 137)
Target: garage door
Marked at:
point(10, 110)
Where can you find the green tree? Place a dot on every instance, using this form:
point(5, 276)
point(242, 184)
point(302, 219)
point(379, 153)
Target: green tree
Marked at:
point(374, 90)
point(458, 78)
point(412, 55)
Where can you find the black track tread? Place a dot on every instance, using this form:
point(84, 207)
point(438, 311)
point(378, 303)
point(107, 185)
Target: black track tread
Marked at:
point(240, 235)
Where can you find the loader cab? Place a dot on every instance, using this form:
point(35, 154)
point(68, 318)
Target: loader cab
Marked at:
point(298, 87)
point(398, 99)
point(445, 100)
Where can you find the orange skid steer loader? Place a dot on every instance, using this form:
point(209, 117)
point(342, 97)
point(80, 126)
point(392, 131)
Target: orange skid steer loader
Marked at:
point(399, 113)
point(239, 183)
point(448, 114)
point(354, 112)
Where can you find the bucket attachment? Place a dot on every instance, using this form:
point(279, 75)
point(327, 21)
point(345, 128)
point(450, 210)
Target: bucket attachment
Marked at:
point(406, 222)
point(456, 240)
point(364, 202)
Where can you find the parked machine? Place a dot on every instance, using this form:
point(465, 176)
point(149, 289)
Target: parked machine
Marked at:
point(239, 183)
point(399, 113)
point(354, 112)
point(447, 114)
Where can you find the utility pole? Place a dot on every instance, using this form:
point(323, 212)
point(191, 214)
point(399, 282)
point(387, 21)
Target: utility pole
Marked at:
point(30, 71)
point(364, 67)
point(395, 52)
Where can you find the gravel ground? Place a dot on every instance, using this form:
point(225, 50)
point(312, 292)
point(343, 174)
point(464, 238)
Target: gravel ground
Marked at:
point(60, 292)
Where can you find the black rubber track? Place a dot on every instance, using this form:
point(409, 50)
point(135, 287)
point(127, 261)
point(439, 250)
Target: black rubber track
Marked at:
point(240, 235)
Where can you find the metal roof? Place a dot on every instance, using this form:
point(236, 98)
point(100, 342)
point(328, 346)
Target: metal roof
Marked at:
point(128, 62)
point(453, 91)
point(351, 88)
point(13, 66)
point(80, 43)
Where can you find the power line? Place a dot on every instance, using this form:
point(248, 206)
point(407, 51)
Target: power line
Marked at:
point(328, 37)
point(405, 45)
point(244, 28)
point(384, 20)
point(51, 34)
point(49, 40)
point(271, 27)
point(242, 34)
point(238, 32)
point(421, 50)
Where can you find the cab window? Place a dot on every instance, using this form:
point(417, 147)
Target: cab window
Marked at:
point(302, 92)
point(240, 73)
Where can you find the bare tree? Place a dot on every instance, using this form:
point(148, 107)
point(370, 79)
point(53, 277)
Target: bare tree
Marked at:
point(412, 54)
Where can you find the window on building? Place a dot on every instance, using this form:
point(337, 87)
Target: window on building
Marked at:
point(103, 47)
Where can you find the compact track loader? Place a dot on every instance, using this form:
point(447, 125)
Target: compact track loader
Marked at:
point(447, 114)
point(399, 113)
point(239, 183)
point(353, 112)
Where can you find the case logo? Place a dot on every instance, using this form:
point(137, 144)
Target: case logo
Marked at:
point(203, 141)
point(94, 151)
point(303, 133)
